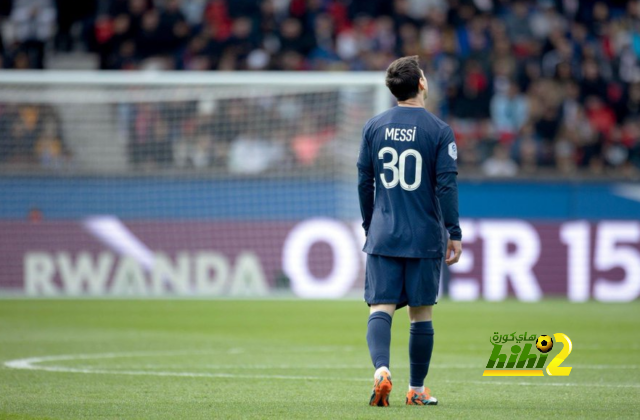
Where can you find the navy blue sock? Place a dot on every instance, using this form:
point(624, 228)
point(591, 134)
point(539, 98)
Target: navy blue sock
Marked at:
point(379, 338)
point(420, 348)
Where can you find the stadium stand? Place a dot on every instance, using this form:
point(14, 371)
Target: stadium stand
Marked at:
point(529, 86)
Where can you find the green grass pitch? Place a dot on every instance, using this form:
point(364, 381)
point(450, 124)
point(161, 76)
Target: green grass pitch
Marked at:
point(193, 359)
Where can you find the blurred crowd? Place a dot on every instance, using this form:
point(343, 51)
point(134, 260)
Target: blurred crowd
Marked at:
point(240, 136)
point(527, 85)
point(32, 134)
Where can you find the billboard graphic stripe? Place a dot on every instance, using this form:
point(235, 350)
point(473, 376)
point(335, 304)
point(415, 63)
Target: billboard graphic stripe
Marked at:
point(513, 372)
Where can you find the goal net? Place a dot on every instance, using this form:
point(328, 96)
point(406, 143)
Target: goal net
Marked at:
point(182, 183)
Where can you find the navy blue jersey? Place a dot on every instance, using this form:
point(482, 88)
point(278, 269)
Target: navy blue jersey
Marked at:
point(404, 150)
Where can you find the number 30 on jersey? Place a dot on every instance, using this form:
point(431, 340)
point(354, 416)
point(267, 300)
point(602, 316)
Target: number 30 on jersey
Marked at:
point(398, 171)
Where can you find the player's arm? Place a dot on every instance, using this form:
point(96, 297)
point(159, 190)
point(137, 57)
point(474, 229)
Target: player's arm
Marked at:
point(447, 193)
point(366, 178)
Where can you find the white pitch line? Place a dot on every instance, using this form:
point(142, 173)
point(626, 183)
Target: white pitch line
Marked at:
point(436, 366)
point(33, 363)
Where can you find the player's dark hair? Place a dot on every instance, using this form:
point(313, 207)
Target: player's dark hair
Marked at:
point(403, 77)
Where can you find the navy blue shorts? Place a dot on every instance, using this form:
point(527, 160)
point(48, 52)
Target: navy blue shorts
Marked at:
point(403, 281)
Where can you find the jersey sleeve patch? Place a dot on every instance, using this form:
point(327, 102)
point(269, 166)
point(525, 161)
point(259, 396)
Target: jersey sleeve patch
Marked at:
point(453, 151)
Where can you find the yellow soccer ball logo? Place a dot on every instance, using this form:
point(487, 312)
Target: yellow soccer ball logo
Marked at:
point(544, 343)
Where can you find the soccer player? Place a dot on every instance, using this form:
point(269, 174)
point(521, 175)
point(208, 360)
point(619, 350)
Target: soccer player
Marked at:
point(407, 188)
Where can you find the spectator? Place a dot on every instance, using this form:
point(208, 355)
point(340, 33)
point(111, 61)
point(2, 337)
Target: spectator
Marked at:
point(630, 108)
point(70, 13)
point(193, 11)
point(292, 37)
point(528, 156)
point(308, 142)
point(500, 164)
point(150, 145)
point(252, 154)
point(592, 83)
point(173, 26)
point(239, 45)
point(600, 116)
point(519, 24)
point(150, 36)
point(49, 149)
point(509, 111)
point(33, 23)
point(473, 95)
point(195, 152)
point(26, 130)
point(111, 35)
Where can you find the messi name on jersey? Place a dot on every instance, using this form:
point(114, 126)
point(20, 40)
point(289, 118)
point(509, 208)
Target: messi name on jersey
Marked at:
point(400, 134)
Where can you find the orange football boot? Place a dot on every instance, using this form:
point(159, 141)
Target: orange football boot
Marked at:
point(421, 398)
point(381, 390)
